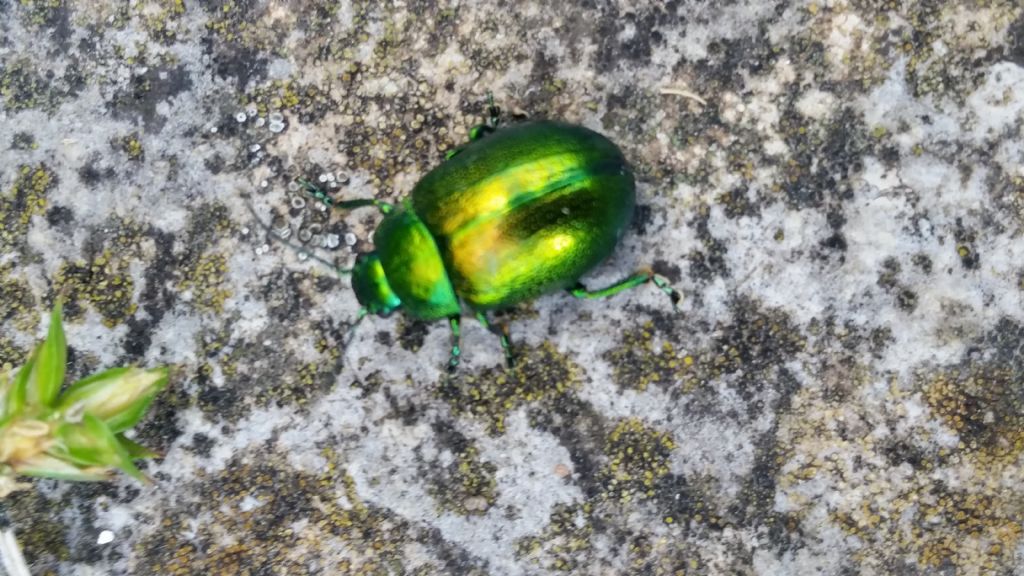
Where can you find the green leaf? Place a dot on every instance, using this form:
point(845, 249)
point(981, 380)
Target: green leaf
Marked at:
point(48, 466)
point(123, 459)
point(51, 362)
point(119, 396)
point(135, 450)
point(14, 401)
point(91, 443)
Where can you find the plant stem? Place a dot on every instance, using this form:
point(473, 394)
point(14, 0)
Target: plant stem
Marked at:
point(10, 554)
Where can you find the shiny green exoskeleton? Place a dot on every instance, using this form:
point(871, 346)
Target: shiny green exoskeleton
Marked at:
point(514, 214)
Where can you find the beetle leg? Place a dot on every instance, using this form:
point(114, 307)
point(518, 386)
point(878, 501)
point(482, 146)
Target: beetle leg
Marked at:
point(506, 340)
point(330, 202)
point(453, 361)
point(640, 277)
point(451, 153)
point(493, 112)
point(490, 124)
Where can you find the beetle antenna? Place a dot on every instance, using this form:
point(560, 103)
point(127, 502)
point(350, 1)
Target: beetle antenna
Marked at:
point(297, 249)
point(363, 312)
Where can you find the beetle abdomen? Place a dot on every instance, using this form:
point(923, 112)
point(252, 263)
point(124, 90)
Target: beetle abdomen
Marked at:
point(526, 210)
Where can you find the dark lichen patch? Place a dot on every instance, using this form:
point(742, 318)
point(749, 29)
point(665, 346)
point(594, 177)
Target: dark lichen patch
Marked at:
point(247, 24)
point(25, 199)
point(369, 384)
point(293, 531)
point(753, 344)
point(131, 146)
point(103, 282)
point(923, 262)
point(308, 102)
point(161, 18)
point(655, 555)
point(541, 374)
point(203, 282)
point(285, 295)
point(567, 537)
point(11, 355)
point(824, 157)
point(300, 387)
point(708, 261)
point(628, 38)
point(288, 382)
point(889, 279)
point(1015, 44)
point(952, 74)
point(23, 141)
point(44, 13)
point(638, 457)
point(948, 530)
point(151, 83)
point(756, 504)
point(22, 87)
point(640, 361)
point(466, 486)
point(17, 305)
point(42, 535)
point(984, 404)
point(412, 333)
point(966, 245)
point(738, 203)
point(968, 517)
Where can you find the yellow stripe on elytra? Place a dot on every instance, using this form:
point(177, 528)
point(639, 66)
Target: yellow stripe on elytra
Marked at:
point(517, 185)
point(495, 265)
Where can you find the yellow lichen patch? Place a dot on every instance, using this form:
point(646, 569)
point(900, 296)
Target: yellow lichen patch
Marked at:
point(663, 555)
point(541, 374)
point(250, 525)
point(22, 88)
point(16, 301)
point(638, 457)
point(895, 498)
point(40, 532)
point(204, 280)
point(567, 536)
point(290, 95)
point(984, 405)
point(37, 13)
point(468, 486)
point(250, 24)
point(161, 18)
point(25, 199)
point(300, 388)
point(10, 355)
point(132, 147)
point(104, 283)
point(638, 361)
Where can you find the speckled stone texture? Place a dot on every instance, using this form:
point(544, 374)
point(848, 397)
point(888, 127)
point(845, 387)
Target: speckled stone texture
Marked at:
point(836, 187)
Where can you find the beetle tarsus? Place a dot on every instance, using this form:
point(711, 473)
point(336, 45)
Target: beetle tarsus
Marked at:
point(493, 112)
point(667, 288)
point(456, 354)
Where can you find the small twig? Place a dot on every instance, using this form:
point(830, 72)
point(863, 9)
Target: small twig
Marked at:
point(10, 553)
point(672, 91)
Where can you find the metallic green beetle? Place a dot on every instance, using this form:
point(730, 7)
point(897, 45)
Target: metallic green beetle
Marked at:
point(514, 214)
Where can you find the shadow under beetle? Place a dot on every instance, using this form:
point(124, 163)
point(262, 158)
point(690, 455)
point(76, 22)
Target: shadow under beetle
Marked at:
point(513, 214)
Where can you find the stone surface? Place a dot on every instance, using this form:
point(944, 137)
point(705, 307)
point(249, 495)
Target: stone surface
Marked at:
point(837, 188)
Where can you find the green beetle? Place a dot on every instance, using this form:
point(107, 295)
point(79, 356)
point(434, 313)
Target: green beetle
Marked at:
point(516, 213)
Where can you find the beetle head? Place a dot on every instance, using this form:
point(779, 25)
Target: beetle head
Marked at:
point(371, 286)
